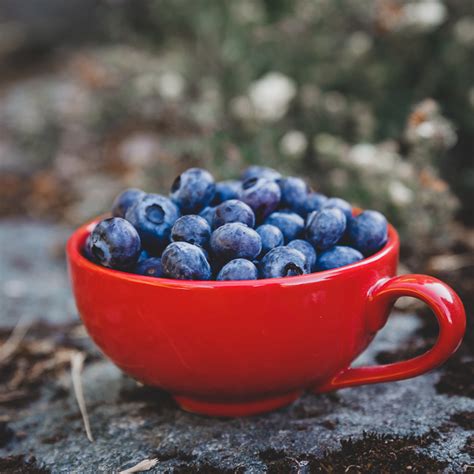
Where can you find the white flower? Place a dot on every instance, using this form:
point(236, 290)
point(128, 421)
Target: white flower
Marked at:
point(171, 85)
point(371, 158)
point(334, 102)
point(399, 193)
point(293, 143)
point(363, 154)
point(241, 107)
point(426, 130)
point(271, 95)
point(464, 30)
point(140, 149)
point(359, 43)
point(425, 14)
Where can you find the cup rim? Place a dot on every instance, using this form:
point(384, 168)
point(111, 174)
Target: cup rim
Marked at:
point(78, 238)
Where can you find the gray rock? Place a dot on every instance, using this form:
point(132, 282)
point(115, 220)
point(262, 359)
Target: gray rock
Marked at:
point(33, 282)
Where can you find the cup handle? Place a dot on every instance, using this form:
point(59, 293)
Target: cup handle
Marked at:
point(449, 312)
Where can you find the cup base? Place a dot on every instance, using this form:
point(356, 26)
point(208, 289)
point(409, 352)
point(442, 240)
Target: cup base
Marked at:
point(235, 409)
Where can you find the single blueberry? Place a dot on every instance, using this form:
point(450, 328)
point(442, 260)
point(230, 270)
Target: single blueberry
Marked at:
point(294, 194)
point(325, 228)
point(235, 240)
point(87, 250)
point(238, 269)
point(225, 190)
point(143, 256)
point(307, 250)
point(125, 200)
point(256, 171)
point(315, 202)
point(282, 262)
point(153, 216)
point(150, 267)
point(185, 261)
point(193, 190)
point(338, 256)
point(271, 237)
point(338, 203)
point(368, 232)
point(191, 228)
point(290, 224)
point(115, 243)
point(208, 214)
point(233, 211)
point(262, 195)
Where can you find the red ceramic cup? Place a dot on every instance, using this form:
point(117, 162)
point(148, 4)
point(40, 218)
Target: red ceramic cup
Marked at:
point(244, 347)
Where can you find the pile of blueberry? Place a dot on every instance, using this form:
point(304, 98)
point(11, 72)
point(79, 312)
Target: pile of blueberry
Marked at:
point(263, 226)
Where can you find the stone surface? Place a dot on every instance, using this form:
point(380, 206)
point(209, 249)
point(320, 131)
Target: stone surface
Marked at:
point(388, 426)
point(33, 283)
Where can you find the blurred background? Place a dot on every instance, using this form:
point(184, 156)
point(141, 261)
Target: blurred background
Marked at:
point(372, 101)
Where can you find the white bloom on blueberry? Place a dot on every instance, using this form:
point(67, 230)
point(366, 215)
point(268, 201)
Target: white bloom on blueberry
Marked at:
point(271, 95)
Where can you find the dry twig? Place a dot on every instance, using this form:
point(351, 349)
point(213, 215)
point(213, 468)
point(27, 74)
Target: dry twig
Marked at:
point(77, 363)
point(12, 343)
point(142, 466)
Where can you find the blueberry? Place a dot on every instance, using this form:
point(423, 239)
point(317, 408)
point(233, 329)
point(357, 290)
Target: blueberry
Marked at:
point(191, 228)
point(368, 232)
point(336, 257)
point(143, 256)
point(125, 200)
point(307, 250)
point(208, 214)
point(256, 171)
point(262, 195)
point(225, 190)
point(271, 237)
point(193, 190)
point(238, 269)
point(235, 240)
point(338, 203)
point(115, 243)
point(290, 224)
point(153, 216)
point(315, 202)
point(87, 249)
point(294, 194)
point(233, 211)
point(150, 267)
point(282, 262)
point(185, 261)
point(325, 228)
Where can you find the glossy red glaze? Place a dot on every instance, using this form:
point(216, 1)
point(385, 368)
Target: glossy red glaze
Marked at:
point(243, 347)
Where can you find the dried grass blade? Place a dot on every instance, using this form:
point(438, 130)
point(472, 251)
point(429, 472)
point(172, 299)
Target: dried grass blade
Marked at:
point(142, 466)
point(77, 363)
